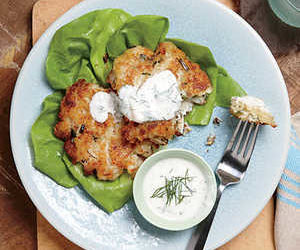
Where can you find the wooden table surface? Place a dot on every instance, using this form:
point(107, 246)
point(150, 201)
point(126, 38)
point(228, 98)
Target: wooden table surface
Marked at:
point(17, 213)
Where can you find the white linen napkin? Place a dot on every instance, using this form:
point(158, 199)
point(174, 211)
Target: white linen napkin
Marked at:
point(287, 218)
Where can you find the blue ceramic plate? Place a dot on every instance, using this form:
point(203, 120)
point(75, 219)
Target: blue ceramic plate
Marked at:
point(238, 48)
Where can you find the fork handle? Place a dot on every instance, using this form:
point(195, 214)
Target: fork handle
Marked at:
point(199, 236)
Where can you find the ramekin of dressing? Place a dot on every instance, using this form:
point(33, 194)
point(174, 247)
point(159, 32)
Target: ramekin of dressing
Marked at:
point(174, 189)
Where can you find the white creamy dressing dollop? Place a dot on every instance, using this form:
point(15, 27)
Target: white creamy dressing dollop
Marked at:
point(102, 104)
point(190, 206)
point(157, 99)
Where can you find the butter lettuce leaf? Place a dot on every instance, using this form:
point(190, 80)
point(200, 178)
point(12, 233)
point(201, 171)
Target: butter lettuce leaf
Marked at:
point(111, 195)
point(48, 150)
point(227, 87)
point(78, 48)
point(144, 30)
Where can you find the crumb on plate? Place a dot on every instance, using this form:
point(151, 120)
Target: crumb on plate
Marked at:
point(210, 140)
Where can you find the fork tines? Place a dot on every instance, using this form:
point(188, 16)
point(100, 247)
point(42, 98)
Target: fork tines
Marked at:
point(240, 145)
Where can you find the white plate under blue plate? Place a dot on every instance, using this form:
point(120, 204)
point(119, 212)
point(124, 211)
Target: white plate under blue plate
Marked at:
point(238, 48)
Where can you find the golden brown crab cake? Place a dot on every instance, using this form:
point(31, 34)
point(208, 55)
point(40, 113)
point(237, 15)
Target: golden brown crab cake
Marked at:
point(193, 82)
point(74, 116)
point(133, 67)
point(137, 64)
point(158, 132)
point(123, 154)
point(99, 147)
point(93, 153)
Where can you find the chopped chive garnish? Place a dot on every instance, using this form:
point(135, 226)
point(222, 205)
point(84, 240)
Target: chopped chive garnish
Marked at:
point(183, 64)
point(175, 189)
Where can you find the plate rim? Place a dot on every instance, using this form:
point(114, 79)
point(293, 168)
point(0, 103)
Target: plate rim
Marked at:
point(48, 214)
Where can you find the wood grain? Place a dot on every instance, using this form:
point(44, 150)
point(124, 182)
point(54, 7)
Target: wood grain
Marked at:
point(46, 12)
point(17, 213)
point(290, 68)
point(283, 41)
point(258, 235)
point(49, 239)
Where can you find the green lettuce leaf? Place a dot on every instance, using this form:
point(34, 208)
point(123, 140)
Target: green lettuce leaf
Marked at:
point(222, 71)
point(86, 71)
point(78, 48)
point(227, 87)
point(144, 30)
point(48, 150)
point(111, 195)
point(197, 53)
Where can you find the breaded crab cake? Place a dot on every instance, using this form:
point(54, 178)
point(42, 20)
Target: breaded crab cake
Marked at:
point(133, 67)
point(99, 147)
point(158, 132)
point(137, 64)
point(193, 82)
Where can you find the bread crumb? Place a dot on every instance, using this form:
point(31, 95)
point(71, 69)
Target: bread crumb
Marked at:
point(217, 121)
point(210, 140)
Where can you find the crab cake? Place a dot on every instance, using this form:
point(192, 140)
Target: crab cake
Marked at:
point(158, 132)
point(133, 67)
point(137, 64)
point(251, 109)
point(193, 82)
point(99, 147)
point(74, 116)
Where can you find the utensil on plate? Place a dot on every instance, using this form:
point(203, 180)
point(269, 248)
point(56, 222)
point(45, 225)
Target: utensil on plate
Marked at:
point(230, 170)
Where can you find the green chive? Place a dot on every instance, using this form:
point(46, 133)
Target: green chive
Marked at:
point(175, 189)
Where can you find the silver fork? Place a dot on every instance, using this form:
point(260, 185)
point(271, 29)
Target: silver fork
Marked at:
point(230, 170)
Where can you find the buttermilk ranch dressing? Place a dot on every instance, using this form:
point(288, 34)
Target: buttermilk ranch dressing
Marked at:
point(190, 206)
point(101, 105)
point(158, 98)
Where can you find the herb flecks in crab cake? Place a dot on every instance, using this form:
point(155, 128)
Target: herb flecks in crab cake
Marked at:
point(99, 147)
